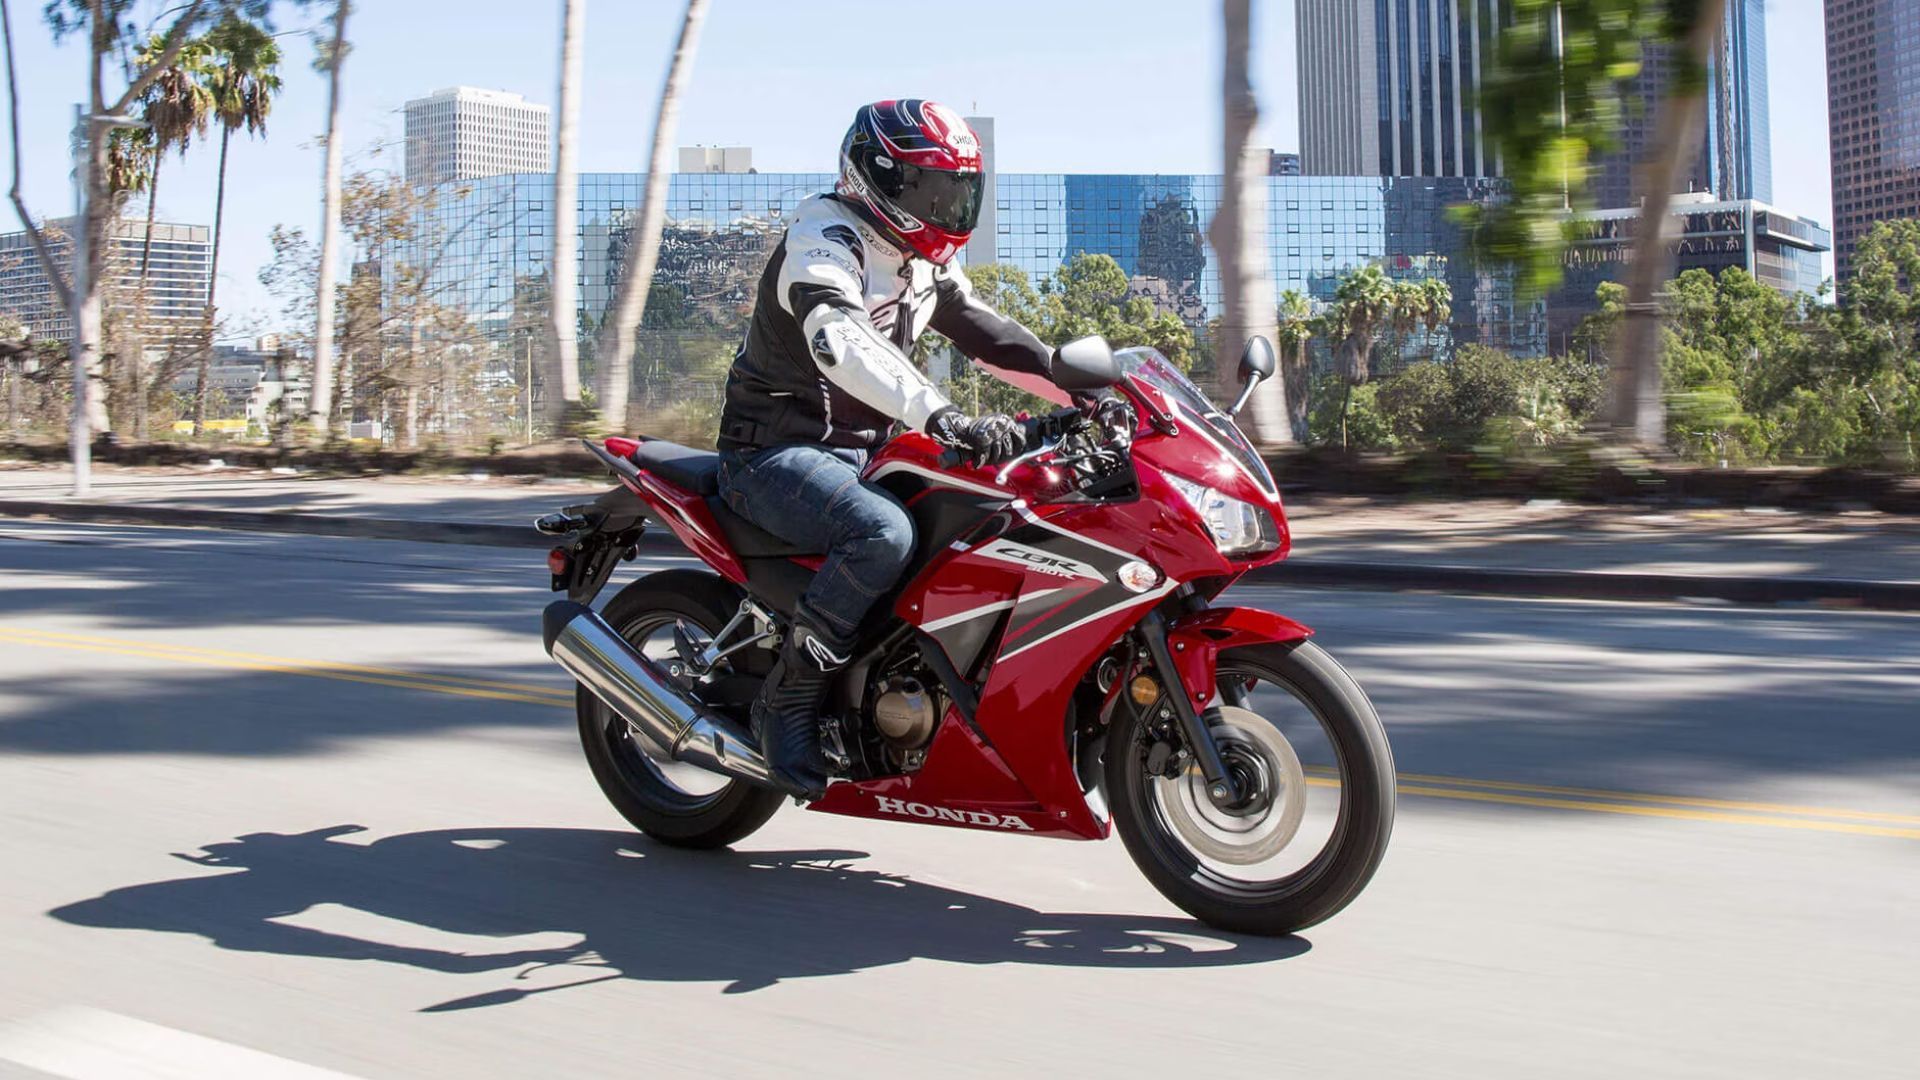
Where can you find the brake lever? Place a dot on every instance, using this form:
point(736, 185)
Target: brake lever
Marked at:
point(1007, 469)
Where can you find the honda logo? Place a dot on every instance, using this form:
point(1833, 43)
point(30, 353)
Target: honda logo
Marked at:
point(902, 808)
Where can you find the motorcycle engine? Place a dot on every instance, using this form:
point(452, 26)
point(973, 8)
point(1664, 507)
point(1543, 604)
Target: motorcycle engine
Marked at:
point(905, 714)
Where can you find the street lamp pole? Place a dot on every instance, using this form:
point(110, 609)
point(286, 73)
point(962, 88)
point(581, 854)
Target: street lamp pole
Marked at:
point(88, 326)
point(80, 427)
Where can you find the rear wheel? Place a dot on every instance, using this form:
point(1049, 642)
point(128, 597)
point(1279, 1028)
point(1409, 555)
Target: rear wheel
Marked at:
point(1312, 759)
point(671, 801)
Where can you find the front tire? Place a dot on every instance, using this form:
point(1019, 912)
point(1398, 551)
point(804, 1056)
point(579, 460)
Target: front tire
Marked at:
point(710, 811)
point(1187, 849)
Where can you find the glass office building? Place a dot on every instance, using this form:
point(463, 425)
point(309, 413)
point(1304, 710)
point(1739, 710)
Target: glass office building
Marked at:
point(487, 240)
point(486, 243)
point(1779, 249)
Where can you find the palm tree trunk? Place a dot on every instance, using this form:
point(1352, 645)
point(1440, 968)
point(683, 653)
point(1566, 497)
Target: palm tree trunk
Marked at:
point(205, 344)
point(563, 363)
point(1239, 236)
point(1298, 377)
point(1636, 409)
point(321, 408)
point(613, 349)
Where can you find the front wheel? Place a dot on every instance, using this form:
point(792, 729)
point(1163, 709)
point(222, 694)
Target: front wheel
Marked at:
point(1313, 763)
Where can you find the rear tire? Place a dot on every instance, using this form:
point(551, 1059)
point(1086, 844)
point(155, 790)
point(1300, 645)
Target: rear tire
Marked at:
point(1335, 876)
point(626, 774)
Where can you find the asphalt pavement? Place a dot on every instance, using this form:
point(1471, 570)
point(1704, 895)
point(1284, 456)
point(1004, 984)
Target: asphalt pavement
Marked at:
point(278, 804)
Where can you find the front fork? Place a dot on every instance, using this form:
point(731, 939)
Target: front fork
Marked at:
point(1186, 650)
point(1222, 788)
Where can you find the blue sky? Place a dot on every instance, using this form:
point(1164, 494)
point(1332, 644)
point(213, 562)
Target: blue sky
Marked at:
point(1075, 85)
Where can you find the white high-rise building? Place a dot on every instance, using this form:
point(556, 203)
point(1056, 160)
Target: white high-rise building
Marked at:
point(463, 133)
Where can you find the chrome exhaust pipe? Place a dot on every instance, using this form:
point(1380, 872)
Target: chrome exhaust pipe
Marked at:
point(583, 643)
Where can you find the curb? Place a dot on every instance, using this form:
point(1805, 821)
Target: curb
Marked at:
point(1317, 573)
point(429, 532)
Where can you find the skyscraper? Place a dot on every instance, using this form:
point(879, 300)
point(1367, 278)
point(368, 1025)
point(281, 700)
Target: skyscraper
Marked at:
point(176, 280)
point(1873, 117)
point(463, 133)
point(1735, 158)
point(1387, 87)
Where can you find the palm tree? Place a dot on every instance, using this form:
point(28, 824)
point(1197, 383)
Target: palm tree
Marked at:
point(563, 380)
point(1409, 312)
point(242, 77)
point(1239, 232)
point(176, 106)
point(1295, 324)
point(1438, 310)
point(614, 346)
point(1636, 408)
point(332, 59)
point(1365, 298)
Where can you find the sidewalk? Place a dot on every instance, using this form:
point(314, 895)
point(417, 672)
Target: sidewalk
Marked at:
point(1337, 540)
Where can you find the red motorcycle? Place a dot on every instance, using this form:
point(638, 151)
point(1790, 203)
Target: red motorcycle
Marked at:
point(1053, 663)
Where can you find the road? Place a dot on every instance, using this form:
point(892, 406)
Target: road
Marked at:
point(281, 804)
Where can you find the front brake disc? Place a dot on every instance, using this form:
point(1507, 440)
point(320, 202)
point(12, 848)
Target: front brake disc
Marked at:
point(1213, 833)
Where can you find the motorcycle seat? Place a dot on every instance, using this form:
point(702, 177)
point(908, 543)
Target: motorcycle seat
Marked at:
point(697, 471)
point(750, 541)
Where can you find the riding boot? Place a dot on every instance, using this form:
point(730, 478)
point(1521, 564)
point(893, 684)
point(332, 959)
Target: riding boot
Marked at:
point(786, 714)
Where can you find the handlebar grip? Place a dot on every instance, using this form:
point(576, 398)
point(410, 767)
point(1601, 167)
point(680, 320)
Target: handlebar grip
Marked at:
point(950, 458)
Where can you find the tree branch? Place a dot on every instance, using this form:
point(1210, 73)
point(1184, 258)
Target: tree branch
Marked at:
point(34, 236)
point(176, 40)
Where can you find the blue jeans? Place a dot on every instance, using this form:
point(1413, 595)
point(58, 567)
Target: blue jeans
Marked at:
point(813, 496)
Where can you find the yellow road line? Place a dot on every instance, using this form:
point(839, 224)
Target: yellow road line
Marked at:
point(1677, 800)
point(1550, 790)
point(1661, 812)
point(1503, 792)
point(54, 636)
point(546, 697)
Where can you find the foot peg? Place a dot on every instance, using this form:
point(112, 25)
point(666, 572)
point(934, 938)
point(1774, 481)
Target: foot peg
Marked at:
point(833, 747)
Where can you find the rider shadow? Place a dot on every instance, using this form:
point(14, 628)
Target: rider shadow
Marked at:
point(639, 910)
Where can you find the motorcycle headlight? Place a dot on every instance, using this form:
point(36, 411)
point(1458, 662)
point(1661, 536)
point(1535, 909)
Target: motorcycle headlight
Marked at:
point(1238, 528)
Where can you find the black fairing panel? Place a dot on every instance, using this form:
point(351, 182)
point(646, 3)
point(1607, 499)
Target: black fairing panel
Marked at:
point(776, 582)
point(940, 517)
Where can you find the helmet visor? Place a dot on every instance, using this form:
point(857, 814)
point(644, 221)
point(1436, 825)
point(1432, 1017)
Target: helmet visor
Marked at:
point(949, 201)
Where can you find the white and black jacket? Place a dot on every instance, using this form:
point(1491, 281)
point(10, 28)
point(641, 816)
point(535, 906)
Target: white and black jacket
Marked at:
point(825, 359)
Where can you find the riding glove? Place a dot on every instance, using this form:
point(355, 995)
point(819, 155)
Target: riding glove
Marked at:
point(987, 440)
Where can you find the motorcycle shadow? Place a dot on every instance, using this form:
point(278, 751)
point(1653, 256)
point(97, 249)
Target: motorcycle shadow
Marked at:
point(633, 909)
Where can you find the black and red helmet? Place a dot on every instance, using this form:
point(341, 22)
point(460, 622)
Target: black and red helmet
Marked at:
point(915, 167)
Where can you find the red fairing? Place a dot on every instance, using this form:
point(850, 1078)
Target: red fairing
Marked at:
point(687, 515)
point(974, 788)
point(1197, 639)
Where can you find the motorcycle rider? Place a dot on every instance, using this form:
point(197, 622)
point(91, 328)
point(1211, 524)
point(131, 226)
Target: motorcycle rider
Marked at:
point(824, 374)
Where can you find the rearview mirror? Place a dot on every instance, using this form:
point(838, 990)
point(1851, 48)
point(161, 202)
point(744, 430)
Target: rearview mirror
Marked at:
point(1085, 364)
point(1256, 366)
point(1256, 360)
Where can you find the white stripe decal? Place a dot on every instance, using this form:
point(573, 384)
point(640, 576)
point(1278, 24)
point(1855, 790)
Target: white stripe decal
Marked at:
point(965, 616)
point(939, 478)
point(1045, 524)
point(1101, 614)
point(985, 609)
